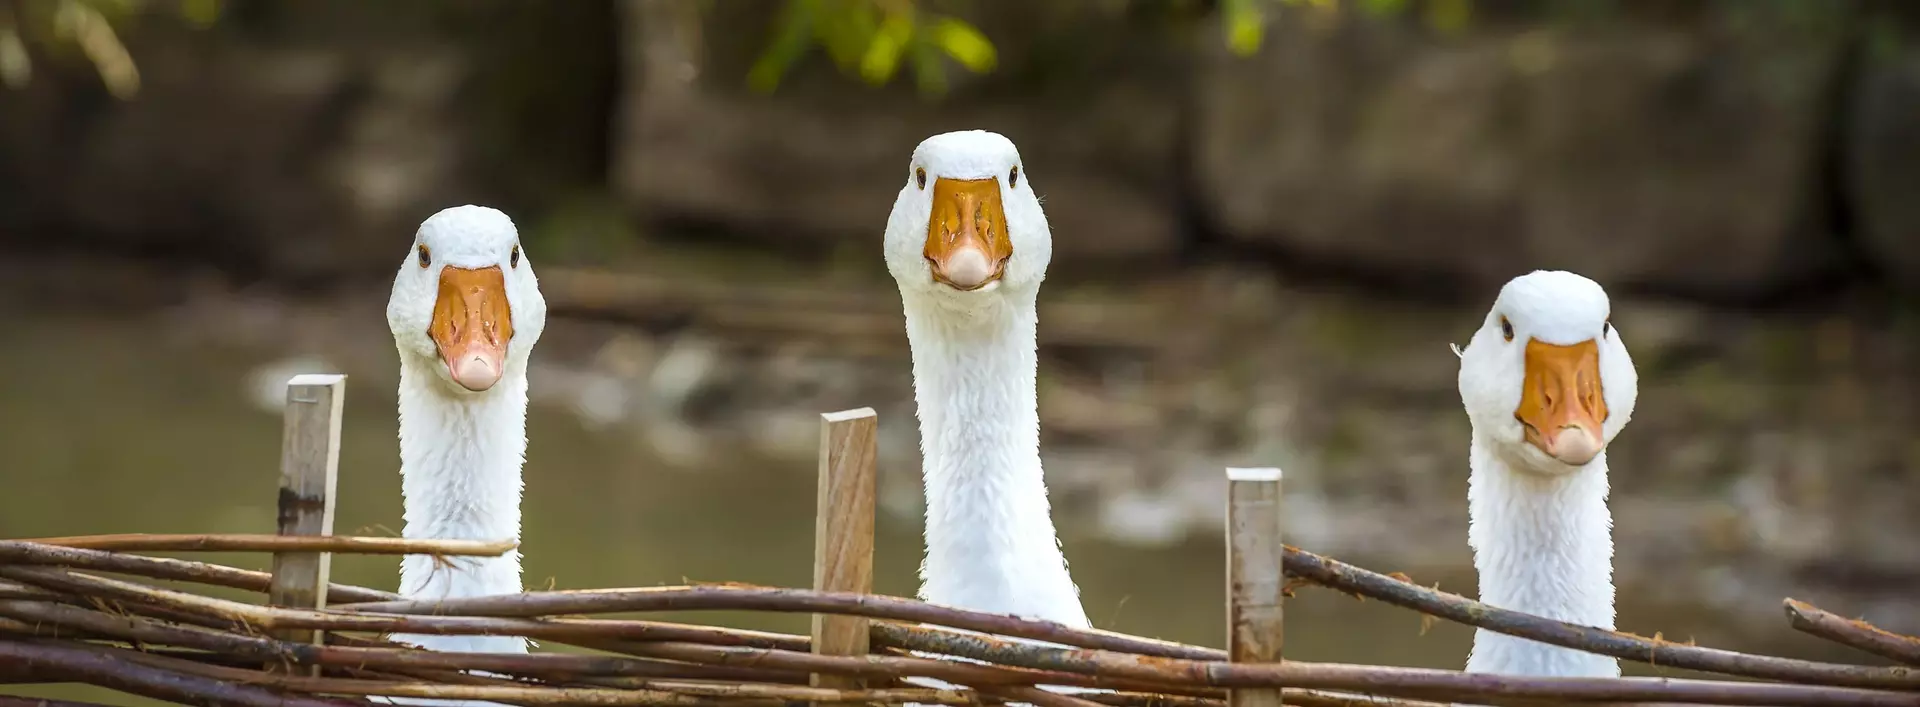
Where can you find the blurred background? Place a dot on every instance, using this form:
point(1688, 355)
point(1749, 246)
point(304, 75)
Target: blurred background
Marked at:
point(1271, 217)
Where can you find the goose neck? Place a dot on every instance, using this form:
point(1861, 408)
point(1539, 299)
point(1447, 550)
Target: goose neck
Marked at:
point(991, 543)
point(460, 459)
point(1543, 545)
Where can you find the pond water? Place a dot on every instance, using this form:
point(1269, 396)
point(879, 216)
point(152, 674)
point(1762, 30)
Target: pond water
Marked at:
point(110, 428)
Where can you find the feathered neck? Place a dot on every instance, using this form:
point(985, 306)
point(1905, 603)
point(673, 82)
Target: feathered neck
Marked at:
point(1543, 545)
point(991, 544)
point(460, 458)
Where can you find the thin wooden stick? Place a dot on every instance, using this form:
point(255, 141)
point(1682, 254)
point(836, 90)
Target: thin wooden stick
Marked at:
point(574, 631)
point(11, 701)
point(207, 611)
point(1315, 568)
point(23, 552)
point(926, 639)
point(798, 693)
point(218, 575)
point(1255, 580)
point(843, 533)
point(1036, 696)
point(1452, 607)
point(309, 475)
point(746, 597)
point(250, 615)
point(16, 590)
point(72, 619)
point(1399, 682)
point(1308, 675)
point(340, 686)
point(870, 666)
point(1852, 633)
point(1318, 698)
point(1318, 676)
point(1119, 668)
point(218, 613)
point(1301, 564)
point(1140, 699)
point(95, 667)
point(145, 631)
point(241, 542)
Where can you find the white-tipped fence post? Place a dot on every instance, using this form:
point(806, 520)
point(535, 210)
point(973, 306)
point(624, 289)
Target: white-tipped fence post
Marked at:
point(1256, 578)
point(843, 532)
point(309, 473)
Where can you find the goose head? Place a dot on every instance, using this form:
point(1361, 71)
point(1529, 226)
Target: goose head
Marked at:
point(466, 303)
point(967, 227)
point(1546, 379)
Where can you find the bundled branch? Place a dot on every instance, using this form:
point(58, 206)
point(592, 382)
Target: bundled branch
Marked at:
point(68, 622)
point(82, 609)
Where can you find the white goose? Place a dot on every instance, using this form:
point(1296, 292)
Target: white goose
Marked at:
point(969, 246)
point(1547, 385)
point(466, 311)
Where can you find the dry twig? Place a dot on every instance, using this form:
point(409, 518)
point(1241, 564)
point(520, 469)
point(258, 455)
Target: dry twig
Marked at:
point(1852, 633)
point(241, 542)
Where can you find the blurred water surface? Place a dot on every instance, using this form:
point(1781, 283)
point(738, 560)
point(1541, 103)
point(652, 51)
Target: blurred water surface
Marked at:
point(109, 431)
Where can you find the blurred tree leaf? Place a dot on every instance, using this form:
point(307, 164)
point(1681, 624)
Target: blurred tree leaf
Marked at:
point(88, 25)
point(964, 43)
point(846, 27)
point(883, 54)
point(202, 13)
point(1449, 15)
point(793, 35)
point(1381, 8)
point(928, 73)
point(1245, 23)
point(871, 38)
point(15, 66)
point(85, 23)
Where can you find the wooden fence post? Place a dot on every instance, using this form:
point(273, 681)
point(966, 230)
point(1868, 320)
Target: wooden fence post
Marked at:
point(1255, 577)
point(309, 473)
point(843, 532)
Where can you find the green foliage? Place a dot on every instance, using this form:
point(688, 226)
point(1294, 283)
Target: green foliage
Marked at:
point(87, 25)
point(1245, 24)
point(873, 38)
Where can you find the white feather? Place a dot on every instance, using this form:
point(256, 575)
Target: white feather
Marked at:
point(461, 451)
point(991, 544)
point(1541, 533)
point(990, 539)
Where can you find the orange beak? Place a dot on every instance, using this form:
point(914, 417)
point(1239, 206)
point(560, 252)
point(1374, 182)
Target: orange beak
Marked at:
point(472, 324)
point(1561, 405)
point(967, 242)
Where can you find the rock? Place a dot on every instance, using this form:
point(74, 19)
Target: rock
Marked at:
point(817, 163)
point(1883, 164)
point(1653, 155)
point(296, 140)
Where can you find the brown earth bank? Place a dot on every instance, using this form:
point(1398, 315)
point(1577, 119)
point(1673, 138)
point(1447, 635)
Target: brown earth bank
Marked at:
point(1723, 150)
point(1771, 453)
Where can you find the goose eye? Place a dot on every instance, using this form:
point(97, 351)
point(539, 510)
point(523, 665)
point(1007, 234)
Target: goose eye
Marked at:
point(1013, 176)
point(1506, 328)
point(513, 260)
point(425, 257)
point(920, 177)
point(1606, 327)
